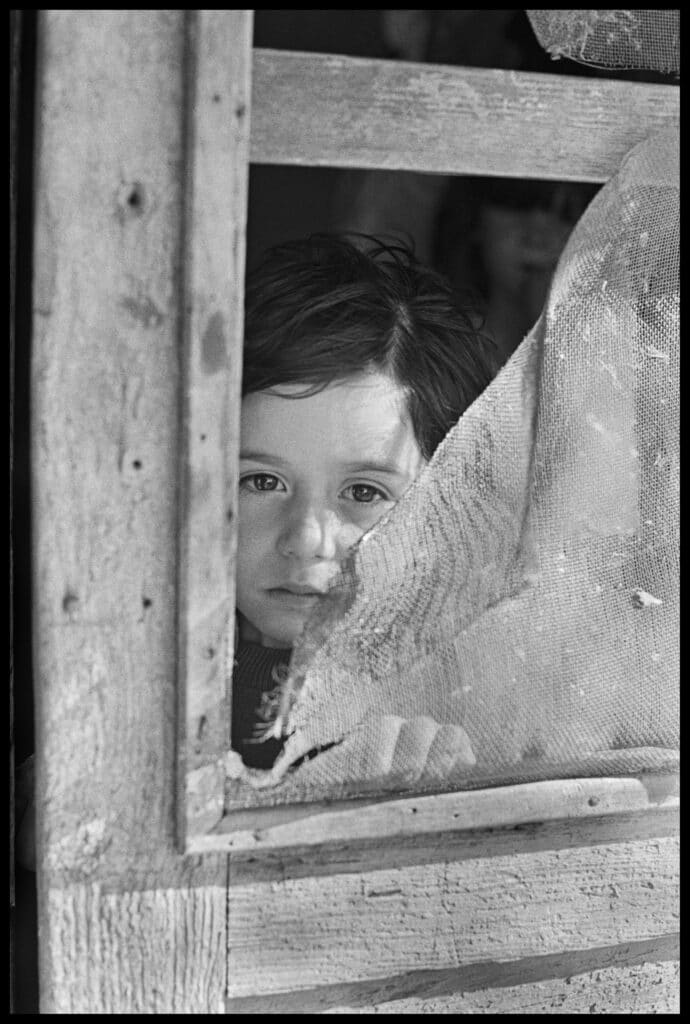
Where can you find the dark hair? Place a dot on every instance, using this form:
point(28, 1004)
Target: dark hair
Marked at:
point(322, 309)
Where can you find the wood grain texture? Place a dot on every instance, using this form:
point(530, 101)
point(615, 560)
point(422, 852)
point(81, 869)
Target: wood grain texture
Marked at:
point(636, 976)
point(214, 260)
point(155, 951)
point(325, 110)
point(647, 988)
point(358, 857)
point(314, 824)
point(296, 934)
point(105, 435)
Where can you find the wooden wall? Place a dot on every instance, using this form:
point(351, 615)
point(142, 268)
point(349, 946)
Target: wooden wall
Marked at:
point(554, 916)
point(115, 899)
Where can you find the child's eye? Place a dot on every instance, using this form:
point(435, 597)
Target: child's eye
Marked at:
point(261, 482)
point(365, 493)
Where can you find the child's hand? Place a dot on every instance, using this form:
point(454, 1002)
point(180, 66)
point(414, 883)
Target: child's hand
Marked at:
point(391, 751)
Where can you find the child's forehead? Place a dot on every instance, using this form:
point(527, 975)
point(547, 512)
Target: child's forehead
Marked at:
point(369, 397)
point(354, 419)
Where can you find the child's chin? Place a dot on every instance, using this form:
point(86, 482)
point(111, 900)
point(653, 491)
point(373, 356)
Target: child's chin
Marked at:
point(283, 632)
point(280, 619)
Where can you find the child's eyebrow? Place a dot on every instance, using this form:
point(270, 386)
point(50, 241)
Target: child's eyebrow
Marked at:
point(267, 457)
point(373, 466)
point(366, 466)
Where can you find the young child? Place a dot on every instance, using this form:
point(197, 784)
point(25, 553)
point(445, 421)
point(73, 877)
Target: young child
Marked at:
point(357, 362)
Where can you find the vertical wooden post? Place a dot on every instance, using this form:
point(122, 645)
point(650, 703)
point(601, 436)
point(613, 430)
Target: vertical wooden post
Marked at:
point(214, 263)
point(126, 923)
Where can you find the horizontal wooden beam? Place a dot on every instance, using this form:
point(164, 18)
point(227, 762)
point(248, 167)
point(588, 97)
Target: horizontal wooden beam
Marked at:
point(309, 825)
point(633, 977)
point(333, 111)
point(383, 924)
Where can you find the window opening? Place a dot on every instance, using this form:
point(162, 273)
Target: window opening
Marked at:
point(488, 628)
point(474, 637)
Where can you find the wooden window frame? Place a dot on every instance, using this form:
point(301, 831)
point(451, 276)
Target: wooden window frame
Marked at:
point(282, 107)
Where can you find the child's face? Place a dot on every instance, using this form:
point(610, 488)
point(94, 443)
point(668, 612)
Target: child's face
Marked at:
point(315, 474)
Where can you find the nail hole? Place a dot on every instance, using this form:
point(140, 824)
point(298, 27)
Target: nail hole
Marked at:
point(131, 198)
point(240, 110)
point(230, 514)
point(137, 464)
point(210, 652)
point(593, 801)
point(69, 601)
point(203, 437)
point(147, 602)
point(216, 97)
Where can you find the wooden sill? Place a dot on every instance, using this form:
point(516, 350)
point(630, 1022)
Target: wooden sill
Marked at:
point(396, 819)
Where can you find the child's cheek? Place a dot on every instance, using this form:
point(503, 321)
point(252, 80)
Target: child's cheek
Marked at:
point(363, 516)
point(258, 521)
point(350, 532)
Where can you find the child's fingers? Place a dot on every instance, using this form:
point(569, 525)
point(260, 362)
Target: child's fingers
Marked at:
point(450, 753)
point(392, 752)
point(428, 752)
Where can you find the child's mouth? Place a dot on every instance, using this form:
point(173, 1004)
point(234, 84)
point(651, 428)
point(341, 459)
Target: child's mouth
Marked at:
point(297, 596)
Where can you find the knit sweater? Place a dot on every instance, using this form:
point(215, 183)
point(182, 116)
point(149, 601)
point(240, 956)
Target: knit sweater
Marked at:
point(256, 677)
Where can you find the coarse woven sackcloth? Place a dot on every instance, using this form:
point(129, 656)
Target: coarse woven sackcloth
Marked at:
point(612, 39)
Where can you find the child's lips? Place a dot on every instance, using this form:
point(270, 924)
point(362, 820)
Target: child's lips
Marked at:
point(296, 594)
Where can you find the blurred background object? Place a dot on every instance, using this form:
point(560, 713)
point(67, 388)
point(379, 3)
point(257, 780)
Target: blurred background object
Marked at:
point(503, 237)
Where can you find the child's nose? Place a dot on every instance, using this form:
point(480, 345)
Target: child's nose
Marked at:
point(311, 533)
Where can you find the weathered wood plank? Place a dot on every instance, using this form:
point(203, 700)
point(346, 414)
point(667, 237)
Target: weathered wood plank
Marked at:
point(326, 110)
point(214, 261)
point(285, 936)
point(358, 857)
point(638, 977)
point(157, 951)
point(105, 435)
point(647, 988)
point(104, 381)
point(313, 824)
